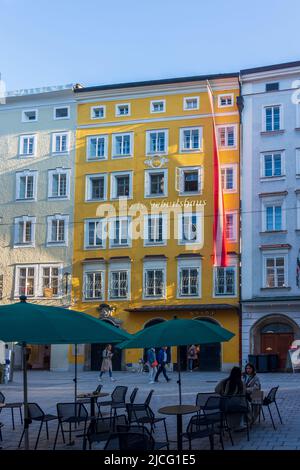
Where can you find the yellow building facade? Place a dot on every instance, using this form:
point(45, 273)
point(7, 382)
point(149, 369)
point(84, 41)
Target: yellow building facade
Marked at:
point(143, 233)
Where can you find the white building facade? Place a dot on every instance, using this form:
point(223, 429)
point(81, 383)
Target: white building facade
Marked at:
point(270, 220)
point(37, 150)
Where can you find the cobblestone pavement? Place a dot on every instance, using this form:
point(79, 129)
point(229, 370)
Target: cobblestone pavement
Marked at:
point(48, 388)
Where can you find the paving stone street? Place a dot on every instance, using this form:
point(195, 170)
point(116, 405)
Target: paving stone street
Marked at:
point(49, 388)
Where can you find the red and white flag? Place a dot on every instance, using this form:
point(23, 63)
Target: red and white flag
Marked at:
point(219, 223)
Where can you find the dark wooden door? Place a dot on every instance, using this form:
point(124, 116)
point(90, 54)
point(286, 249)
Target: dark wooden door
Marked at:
point(277, 343)
point(210, 356)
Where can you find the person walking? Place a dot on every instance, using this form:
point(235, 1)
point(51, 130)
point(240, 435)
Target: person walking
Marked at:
point(191, 356)
point(106, 365)
point(152, 363)
point(162, 361)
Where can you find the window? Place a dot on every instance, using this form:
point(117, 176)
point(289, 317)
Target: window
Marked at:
point(156, 183)
point(297, 162)
point(30, 115)
point(191, 139)
point(60, 142)
point(272, 118)
point(94, 285)
point(156, 142)
point(191, 103)
point(95, 236)
point(158, 106)
point(188, 282)
point(154, 283)
point(96, 187)
point(50, 280)
point(272, 165)
point(62, 112)
point(155, 229)
point(57, 230)
point(27, 145)
point(121, 185)
point(26, 281)
point(190, 180)
point(275, 271)
point(228, 178)
point(122, 145)
point(59, 183)
point(225, 100)
point(26, 183)
point(225, 281)
point(97, 112)
point(231, 226)
point(118, 284)
point(120, 232)
point(272, 86)
point(226, 136)
point(189, 228)
point(273, 217)
point(24, 231)
point(123, 109)
point(97, 147)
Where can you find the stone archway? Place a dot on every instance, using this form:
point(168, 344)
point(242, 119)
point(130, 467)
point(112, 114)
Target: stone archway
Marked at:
point(96, 352)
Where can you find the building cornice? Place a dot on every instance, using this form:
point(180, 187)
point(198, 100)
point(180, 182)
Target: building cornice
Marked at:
point(274, 193)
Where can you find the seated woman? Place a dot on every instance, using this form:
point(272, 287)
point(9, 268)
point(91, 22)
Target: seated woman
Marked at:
point(252, 382)
point(231, 386)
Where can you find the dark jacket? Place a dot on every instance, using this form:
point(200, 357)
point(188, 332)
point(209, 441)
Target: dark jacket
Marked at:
point(160, 357)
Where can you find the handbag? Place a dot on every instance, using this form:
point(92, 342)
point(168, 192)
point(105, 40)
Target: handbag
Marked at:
point(154, 364)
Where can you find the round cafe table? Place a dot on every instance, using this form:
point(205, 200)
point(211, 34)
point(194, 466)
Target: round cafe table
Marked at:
point(179, 411)
point(93, 398)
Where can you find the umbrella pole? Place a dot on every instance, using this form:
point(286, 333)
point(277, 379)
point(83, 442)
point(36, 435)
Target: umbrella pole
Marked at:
point(75, 378)
point(26, 420)
point(179, 374)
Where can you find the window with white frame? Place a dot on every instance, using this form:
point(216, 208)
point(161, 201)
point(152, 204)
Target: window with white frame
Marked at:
point(225, 281)
point(154, 279)
point(24, 231)
point(231, 226)
point(190, 139)
point(272, 118)
point(156, 183)
point(190, 103)
point(156, 142)
point(119, 233)
point(273, 216)
point(122, 145)
point(119, 282)
point(50, 277)
point(57, 233)
point(94, 283)
point(60, 142)
point(26, 281)
point(188, 278)
point(96, 187)
point(225, 100)
point(155, 229)
point(275, 270)
point(297, 162)
point(26, 184)
point(190, 180)
point(226, 136)
point(95, 236)
point(121, 185)
point(29, 115)
point(97, 147)
point(189, 228)
point(158, 106)
point(62, 112)
point(59, 183)
point(228, 178)
point(97, 112)
point(27, 145)
point(123, 109)
point(272, 165)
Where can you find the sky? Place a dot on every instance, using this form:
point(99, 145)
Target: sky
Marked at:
point(94, 42)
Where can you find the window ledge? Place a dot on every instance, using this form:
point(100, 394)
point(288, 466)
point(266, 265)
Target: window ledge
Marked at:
point(275, 288)
point(297, 128)
point(272, 231)
point(280, 131)
point(273, 178)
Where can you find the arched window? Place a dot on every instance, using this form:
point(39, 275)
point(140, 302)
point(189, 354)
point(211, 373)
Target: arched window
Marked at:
point(277, 328)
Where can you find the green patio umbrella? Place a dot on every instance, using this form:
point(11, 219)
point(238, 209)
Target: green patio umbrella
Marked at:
point(27, 323)
point(178, 332)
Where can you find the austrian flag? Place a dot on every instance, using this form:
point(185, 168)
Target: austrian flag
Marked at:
point(219, 229)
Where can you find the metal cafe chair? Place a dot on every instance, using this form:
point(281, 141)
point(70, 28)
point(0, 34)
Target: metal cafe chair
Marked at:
point(117, 398)
point(35, 413)
point(100, 429)
point(12, 407)
point(134, 441)
point(70, 413)
point(267, 401)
